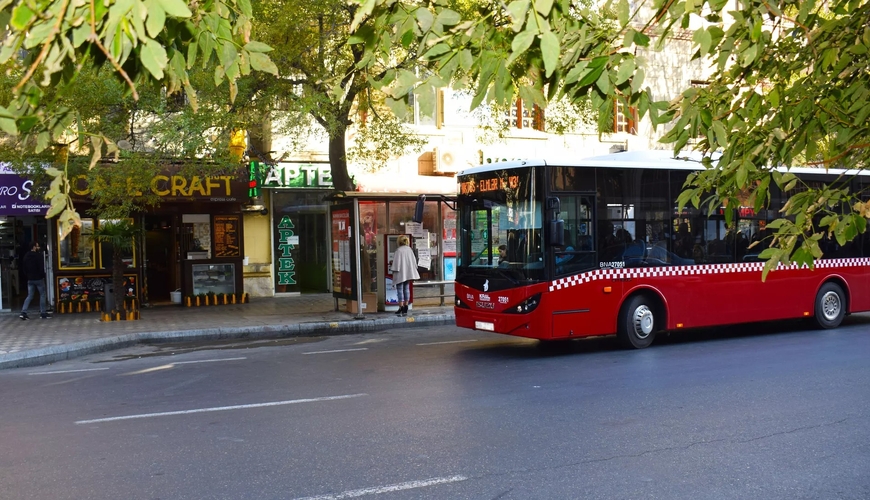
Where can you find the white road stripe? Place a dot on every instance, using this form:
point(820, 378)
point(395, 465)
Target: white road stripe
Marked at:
point(448, 342)
point(220, 408)
point(410, 485)
point(206, 361)
point(68, 371)
point(337, 350)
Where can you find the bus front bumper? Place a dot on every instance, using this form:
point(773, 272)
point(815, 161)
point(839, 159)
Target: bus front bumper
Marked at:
point(520, 325)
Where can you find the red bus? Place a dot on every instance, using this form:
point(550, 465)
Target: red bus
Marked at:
point(597, 247)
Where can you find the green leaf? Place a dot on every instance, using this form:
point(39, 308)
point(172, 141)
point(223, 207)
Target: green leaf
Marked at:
point(57, 204)
point(748, 56)
point(153, 57)
point(704, 40)
point(424, 18)
point(448, 17)
point(228, 53)
point(626, 69)
point(543, 6)
point(175, 8)
point(550, 51)
point(262, 62)
point(637, 81)
point(518, 9)
point(254, 46)
point(7, 122)
point(156, 18)
point(641, 39)
point(245, 7)
point(436, 51)
point(721, 135)
point(773, 97)
point(603, 83)
point(466, 59)
point(21, 16)
point(520, 44)
point(43, 140)
point(622, 12)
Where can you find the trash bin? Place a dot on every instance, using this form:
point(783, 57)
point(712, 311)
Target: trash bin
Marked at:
point(175, 296)
point(109, 296)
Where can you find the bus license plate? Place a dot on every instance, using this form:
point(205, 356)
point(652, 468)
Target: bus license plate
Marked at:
point(484, 325)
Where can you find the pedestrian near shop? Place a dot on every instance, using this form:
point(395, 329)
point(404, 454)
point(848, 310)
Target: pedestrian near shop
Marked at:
point(34, 271)
point(404, 272)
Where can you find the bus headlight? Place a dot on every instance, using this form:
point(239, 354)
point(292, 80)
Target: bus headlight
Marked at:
point(526, 306)
point(459, 303)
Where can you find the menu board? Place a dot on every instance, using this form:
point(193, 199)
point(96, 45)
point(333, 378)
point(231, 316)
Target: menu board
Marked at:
point(90, 288)
point(226, 236)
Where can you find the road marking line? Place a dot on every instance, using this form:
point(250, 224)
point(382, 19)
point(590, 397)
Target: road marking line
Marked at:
point(448, 342)
point(206, 361)
point(410, 485)
point(220, 408)
point(68, 371)
point(337, 350)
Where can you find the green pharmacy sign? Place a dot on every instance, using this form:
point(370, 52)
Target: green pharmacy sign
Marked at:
point(297, 175)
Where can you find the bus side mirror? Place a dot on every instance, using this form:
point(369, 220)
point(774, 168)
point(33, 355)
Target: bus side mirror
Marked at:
point(557, 233)
point(418, 210)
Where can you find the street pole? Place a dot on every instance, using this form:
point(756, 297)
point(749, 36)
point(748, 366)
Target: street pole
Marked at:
point(356, 252)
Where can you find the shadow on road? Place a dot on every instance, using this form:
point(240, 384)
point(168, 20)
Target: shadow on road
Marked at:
point(528, 348)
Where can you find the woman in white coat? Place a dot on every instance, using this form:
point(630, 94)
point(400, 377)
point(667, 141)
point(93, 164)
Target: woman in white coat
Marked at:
point(404, 271)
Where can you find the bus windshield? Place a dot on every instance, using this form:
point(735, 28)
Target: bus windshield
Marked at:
point(500, 226)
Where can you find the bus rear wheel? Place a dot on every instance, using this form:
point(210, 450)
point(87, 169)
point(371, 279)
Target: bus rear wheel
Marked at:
point(830, 306)
point(637, 323)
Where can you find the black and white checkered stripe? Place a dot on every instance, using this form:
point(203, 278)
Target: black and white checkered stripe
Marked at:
point(693, 270)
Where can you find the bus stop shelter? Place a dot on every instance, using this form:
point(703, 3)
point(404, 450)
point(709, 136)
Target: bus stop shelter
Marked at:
point(362, 225)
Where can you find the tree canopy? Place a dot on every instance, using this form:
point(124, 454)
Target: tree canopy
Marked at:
point(789, 86)
point(49, 45)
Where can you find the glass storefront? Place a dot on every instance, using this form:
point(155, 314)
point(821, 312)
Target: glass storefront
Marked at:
point(301, 251)
point(16, 233)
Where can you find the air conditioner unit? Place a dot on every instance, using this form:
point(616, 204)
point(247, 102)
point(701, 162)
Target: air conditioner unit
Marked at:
point(451, 160)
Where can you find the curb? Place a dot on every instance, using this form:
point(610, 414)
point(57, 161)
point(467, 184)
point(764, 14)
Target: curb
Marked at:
point(51, 354)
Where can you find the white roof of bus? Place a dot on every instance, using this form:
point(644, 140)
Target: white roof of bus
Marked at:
point(650, 159)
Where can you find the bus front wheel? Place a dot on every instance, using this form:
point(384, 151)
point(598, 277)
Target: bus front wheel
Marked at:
point(637, 323)
point(830, 305)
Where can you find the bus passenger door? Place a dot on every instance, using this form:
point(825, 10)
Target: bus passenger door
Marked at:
point(582, 306)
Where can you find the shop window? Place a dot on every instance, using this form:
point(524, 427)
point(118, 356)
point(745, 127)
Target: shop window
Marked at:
point(107, 251)
point(196, 236)
point(76, 251)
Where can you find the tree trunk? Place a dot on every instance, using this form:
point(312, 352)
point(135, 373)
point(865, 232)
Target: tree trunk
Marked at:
point(118, 279)
point(338, 160)
point(261, 139)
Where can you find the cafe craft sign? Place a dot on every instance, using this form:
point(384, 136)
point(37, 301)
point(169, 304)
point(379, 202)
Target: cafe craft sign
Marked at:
point(292, 175)
point(174, 187)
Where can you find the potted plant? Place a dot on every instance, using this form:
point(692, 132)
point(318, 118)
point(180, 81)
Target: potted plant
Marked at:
point(121, 235)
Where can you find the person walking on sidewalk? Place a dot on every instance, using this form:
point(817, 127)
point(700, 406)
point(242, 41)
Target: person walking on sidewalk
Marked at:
point(34, 270)
point(404, 271)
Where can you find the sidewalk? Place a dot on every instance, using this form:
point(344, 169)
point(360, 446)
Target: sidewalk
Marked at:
point(37, 342)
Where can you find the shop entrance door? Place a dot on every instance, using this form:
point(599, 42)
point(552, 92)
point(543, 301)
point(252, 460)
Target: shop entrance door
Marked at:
point(301, 253)
point(161, 270)
point(16, 234)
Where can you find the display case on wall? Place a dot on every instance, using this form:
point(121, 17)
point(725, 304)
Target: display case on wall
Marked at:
point(215, 278)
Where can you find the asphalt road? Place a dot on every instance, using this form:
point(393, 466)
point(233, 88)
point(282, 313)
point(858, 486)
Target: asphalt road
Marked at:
point(761, 412)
